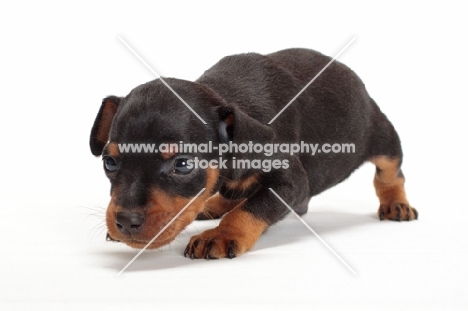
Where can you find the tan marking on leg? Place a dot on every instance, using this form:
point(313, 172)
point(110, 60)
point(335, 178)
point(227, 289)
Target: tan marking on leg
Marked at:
point(237, 232)
point(216, 206)
point(389, 187)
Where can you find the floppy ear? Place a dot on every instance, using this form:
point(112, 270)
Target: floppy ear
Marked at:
point(102, 124)
point(240, 128)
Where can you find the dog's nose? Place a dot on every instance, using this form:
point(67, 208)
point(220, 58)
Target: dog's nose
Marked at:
point(129, 222)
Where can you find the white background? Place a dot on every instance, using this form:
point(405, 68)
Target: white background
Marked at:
point(59, 60)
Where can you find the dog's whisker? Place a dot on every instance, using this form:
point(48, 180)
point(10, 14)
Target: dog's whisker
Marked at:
point(94, 231)
point(94, 208)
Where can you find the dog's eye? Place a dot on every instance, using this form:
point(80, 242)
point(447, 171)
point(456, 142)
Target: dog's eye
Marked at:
point(110, 164)
point(183, 165)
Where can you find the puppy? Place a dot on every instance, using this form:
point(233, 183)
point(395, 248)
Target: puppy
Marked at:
point(237, 99)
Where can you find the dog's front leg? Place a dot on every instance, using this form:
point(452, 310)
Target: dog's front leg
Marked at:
point(240, 229)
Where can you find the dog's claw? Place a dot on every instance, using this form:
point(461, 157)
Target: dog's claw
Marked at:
point(398, 212)
point(208, 247)
point(416, 215)
point(189, 251)
point(230, 251)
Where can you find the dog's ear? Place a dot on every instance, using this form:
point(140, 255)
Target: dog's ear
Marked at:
point(240, 128)
point(102, 124)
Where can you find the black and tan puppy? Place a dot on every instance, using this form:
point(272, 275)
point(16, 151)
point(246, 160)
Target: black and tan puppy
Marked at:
point(237, 98)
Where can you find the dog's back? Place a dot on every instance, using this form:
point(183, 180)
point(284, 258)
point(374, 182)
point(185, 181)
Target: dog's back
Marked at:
point(334, 109)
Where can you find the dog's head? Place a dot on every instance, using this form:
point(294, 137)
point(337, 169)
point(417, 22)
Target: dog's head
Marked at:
point(149, 188)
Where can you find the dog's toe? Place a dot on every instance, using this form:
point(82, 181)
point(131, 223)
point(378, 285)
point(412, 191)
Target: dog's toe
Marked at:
point(397, 211)
point(211, 244)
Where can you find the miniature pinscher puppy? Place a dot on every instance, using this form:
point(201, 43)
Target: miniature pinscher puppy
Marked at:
point(237, 98)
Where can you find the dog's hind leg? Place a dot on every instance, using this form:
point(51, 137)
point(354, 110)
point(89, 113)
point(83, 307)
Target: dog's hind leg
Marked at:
point(386, 154)
point(388, 182)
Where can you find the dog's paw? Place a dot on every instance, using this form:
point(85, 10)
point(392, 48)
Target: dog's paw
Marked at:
point(237, 233)
point(213, 244)
point(397, 211)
